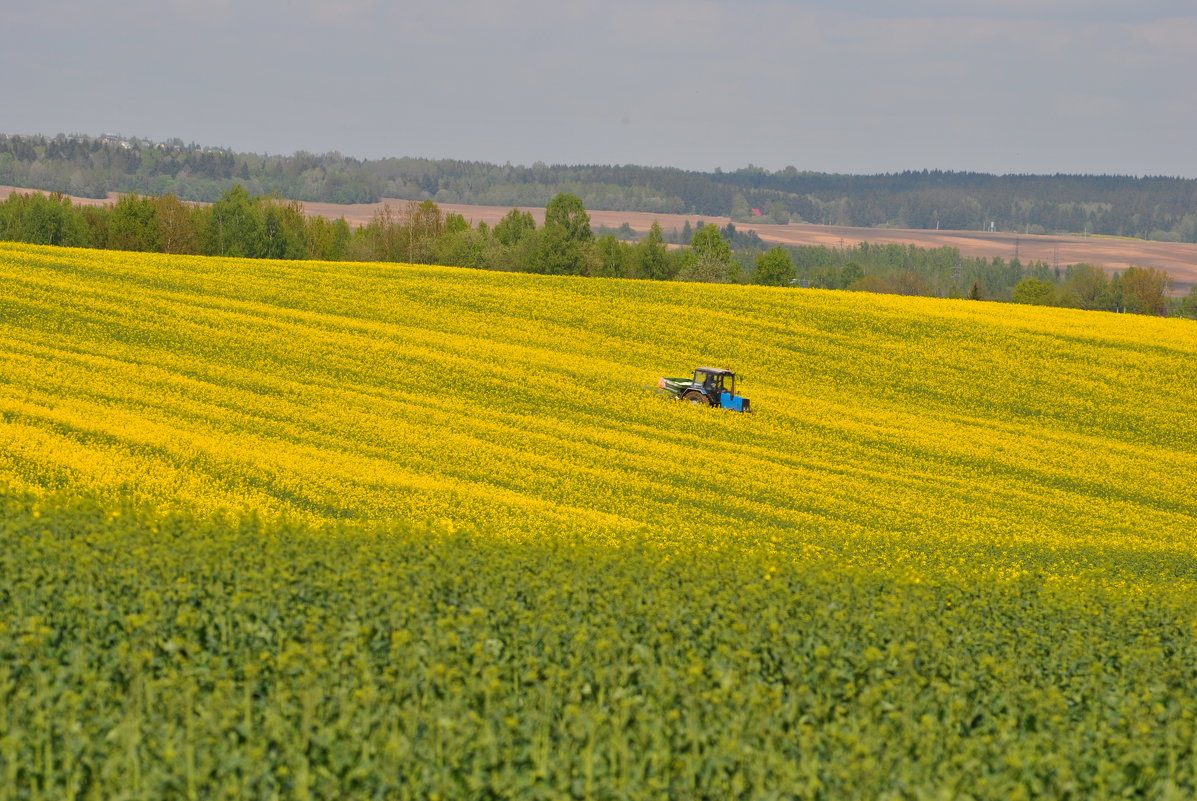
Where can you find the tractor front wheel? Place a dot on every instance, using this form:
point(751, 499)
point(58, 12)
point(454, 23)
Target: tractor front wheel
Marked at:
point(696, 397)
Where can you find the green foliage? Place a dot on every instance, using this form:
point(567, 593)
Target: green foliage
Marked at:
point(940, 272)
point(779, 214)
point(178, 225)
point(850, 273)
point(514, 227)
point(565, 245)
point(687, 234)
point(409, 235)
point(709, 259)
point(708, 242)
point(1086, 287)
point(652, 257)
point(1188, 305)
point(284, 230)
point(235, 226)
point(567, 212)
point(742, 240)
point(150, 656)
point(557, 252)
point(469, 248)
point(871, 283)
point(133, 225)
point(909, 283)
point(707, 269)
point(774, 267)
point(327, 240)
point(615, 258)
point(1035, 292)
point(418, 232)
point(42, 220)
point(1145, 290)
point(423, 226)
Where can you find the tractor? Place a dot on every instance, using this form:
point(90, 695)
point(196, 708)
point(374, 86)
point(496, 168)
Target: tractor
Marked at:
point(711, 386)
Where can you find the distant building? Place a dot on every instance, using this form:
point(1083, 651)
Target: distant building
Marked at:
point(115, 139)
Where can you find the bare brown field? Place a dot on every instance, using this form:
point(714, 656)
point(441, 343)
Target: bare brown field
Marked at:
point(5, 191)
point(1178, 259)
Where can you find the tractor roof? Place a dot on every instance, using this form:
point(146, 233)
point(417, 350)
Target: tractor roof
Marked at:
point(714, 370)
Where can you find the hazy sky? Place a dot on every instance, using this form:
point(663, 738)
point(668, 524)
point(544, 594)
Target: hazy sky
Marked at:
point(860, 86)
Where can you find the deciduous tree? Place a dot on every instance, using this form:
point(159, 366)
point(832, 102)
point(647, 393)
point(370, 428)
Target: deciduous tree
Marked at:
point(566, 210)
point(849, 274)
point(1035, 292)
point(1146, 290)
point(709, 259)
point(234, 226)
point(422, 226)
point(774, 267)
point(178, 225)
point(779, 213)
point(133, 225)
point(514, 227)
point(652, 257)
point(708, 241)
point(1086, 287)
point(614, 257)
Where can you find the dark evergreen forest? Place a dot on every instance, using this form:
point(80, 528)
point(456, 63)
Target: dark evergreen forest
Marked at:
point(1160, 208)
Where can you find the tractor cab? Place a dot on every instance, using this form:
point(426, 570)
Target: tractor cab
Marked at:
point(719, 386)
point(715, 381)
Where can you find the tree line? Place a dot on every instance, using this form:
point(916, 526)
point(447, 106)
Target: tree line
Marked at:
point(942, 272)
point(1160, 208)
point(240, 224)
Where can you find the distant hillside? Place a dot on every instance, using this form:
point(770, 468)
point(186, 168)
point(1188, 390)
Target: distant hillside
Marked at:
point(1158, 208)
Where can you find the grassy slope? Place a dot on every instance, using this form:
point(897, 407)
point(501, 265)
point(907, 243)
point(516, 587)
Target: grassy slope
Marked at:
point(951, 552)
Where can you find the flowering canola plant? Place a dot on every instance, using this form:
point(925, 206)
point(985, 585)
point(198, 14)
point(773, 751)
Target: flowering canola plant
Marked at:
point(289, 529)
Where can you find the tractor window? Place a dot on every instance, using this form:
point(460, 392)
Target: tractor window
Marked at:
point(711, 382)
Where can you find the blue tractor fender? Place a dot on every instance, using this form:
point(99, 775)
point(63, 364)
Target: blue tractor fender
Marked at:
point(734, 402)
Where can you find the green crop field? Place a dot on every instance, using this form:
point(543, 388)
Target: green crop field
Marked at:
point(303, 530)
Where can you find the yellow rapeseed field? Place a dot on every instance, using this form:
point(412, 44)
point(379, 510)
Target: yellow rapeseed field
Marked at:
point(295, 529)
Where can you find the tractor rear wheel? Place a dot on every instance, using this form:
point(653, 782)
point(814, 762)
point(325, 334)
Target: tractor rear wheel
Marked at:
point(696, 397)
